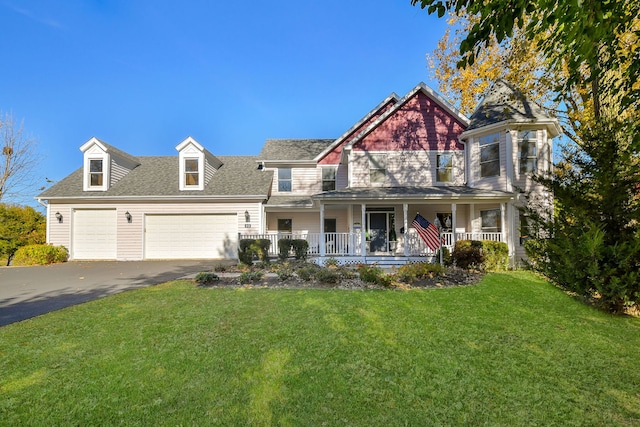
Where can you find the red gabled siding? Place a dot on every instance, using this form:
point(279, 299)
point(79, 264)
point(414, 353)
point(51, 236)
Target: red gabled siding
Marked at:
point(420, 124)
point(333, 157)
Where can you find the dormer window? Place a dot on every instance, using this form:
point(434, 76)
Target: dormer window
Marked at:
point(191, 173)
point(96, 173)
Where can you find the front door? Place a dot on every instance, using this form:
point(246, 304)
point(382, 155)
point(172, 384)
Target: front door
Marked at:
point(378, 231)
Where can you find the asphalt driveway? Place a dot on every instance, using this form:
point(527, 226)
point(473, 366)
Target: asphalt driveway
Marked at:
point(26, 292)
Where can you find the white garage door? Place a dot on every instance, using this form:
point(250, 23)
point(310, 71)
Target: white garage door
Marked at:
point(94, 234)
point(191, 236)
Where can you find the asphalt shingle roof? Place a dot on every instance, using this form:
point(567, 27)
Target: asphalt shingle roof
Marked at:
point(158, 176)
point(503, 102)
point(293, 149)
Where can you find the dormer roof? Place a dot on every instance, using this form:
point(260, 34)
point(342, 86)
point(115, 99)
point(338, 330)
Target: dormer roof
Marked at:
point(110, 149)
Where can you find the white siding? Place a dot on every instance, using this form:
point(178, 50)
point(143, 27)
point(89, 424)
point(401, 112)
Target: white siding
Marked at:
point(407, 168)
point(119, 168)
point(131, 235)
point(304, 180)
point(488, 183)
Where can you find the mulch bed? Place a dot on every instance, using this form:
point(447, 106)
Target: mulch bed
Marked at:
point(453, 277)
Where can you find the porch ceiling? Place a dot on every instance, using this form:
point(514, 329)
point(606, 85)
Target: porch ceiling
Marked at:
point(414, 193)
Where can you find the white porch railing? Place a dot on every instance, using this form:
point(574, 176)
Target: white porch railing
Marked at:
point(343, 244)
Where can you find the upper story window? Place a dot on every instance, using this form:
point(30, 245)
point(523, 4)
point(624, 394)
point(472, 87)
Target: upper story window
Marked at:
point(377, 168)
point(284, 179)
point(191, 173)
point(96, 173)
point(490, 155)
point(329, 178)
point(527, 151)
point(444, 171)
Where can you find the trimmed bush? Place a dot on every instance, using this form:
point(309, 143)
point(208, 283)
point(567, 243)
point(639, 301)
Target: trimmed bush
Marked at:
point(284, 247)
point(204, 278)
point(481, 254)
point(300, 248)
point(496, 255)
point(245, 251)
point(40, 255)
point(468, 254)
point(261, 248)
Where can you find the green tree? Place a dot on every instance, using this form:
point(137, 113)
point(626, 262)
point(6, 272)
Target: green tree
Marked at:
point(20, 226)
point(590, 51)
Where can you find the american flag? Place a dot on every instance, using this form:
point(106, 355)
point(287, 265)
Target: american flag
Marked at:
point(427, 231)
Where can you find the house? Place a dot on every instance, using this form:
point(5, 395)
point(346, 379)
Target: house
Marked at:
point(353, 198)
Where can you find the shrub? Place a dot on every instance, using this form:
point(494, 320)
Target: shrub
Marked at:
point(250, 276)
point(496, 255)
point(327, 276)
point(300, 248)
point(306, 273)
point(284, 247)
point(374, 274)
point(331, 262)
point(220, 268)
point(446, 256)
point(261, 248)
point(410, 272)
point(284, 271)
point(468, 254)
point(246, 251)
point(40, 255)
point(204, 279)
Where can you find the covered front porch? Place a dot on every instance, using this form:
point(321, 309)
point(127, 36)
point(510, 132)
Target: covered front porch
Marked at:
point(375, 225)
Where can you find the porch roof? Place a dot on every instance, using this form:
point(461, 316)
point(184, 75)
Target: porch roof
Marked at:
point(290, 202)
point(413, 193)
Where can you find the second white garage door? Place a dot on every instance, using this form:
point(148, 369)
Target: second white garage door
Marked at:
point(191, 236)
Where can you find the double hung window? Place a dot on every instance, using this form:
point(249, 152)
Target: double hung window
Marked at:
point(328, 179)
point(377, 168)
point(284, 179)
point(527, 151)
point(490, 155)
point(96, 173)
point(191, 173)
point(444, 172)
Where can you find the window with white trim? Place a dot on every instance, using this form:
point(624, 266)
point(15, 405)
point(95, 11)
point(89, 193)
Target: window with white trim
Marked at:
point(490, 155)
point(444, 165)
point(284, 179)
point(329, 178)
point(191, 172)
point(96, 173)
point(491, 221)
point(377, 168)
point(527, 151)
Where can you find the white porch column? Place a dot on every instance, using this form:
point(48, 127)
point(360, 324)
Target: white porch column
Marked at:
point(503, 223)
point(322, 240)
point(454, 222)
point(363, 248)
point(509, 159)
point(405, 225)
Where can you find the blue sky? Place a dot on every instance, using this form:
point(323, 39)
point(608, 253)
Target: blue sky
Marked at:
point(143, 75)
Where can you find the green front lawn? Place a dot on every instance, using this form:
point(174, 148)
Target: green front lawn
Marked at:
point(510, 351)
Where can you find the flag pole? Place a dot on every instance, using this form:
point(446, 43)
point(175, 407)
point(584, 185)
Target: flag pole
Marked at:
point(438, 225)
